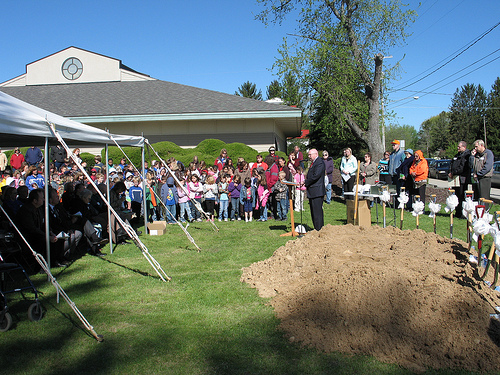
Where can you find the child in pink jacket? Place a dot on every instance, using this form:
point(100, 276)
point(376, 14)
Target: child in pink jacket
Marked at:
point(300, 189)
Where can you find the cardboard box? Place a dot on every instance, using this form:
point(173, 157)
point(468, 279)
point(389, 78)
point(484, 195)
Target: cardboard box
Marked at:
point(157, 228)
point(364, 217)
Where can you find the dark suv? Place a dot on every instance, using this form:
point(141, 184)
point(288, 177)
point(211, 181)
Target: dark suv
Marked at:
point(440, 169)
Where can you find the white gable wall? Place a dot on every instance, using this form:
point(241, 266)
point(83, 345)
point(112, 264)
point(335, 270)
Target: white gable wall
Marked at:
point(96, 68)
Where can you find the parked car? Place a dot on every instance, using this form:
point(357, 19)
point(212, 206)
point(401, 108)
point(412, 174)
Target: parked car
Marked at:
point(431, 162)
point(440, 169)
point(495, 179)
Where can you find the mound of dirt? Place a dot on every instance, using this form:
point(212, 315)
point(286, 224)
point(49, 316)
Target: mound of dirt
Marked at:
point(405, 297)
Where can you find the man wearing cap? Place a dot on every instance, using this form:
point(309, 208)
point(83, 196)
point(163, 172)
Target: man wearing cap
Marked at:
point(395, 160)
point(272, 153)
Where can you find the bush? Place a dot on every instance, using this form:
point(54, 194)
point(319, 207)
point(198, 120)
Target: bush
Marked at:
point(88, 158)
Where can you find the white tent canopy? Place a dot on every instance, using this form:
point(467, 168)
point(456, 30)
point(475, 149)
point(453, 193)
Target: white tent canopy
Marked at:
point(23, 124)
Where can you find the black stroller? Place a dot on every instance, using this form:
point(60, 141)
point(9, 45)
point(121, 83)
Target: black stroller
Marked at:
point(12, 273)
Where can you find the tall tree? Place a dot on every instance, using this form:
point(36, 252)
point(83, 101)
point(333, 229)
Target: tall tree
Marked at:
point(406, 132)
point(249, 90)
point(493, 118)
point(325, 134)
point(467, 112)
point(434, 136)
point(291, 91)
point(274, 90)
point(338, 43)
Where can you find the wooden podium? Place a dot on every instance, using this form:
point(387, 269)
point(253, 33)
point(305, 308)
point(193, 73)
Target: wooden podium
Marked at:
point(293, 233)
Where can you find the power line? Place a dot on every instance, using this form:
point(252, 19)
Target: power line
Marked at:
point(456, 79)
point(451, 75)
point(454, 55)
point(424, 92)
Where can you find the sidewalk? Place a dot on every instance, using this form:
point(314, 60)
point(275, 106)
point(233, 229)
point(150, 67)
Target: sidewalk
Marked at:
point(494, 194)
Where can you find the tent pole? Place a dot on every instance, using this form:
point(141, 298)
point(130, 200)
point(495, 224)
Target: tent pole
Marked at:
point(107, 197)
point(126, 226)
point(143, 170)
point(46, 194)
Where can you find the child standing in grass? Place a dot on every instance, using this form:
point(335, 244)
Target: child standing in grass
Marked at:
point(195, 193)
point(184, 200)
point(262, 196)
point(170, 198)
point(135, 192)
point(210, 194)
point(280, 190)
point(300, 189)
point(234, 189)
point(223, 197)
point(247, 198)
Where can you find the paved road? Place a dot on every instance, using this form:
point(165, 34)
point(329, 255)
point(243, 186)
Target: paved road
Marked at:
point(495, 193)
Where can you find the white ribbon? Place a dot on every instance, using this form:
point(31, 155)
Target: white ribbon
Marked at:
point(496, 239)
point(418, 208)
point(480, 226)
point(469, 207)
point(451, 203)
point(434, 208)
point(403, 199)
point(385, 196)
point(361, 189)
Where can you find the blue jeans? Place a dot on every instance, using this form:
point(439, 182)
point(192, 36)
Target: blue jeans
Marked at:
point(223, 206)
point(282, 208)
point(328, 193)
point(235, 208)
point(185, 209)
point(171, 217)
point(194, 212)
point(263, 213)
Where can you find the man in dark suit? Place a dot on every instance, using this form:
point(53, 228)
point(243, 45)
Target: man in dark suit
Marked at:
point(315, 184)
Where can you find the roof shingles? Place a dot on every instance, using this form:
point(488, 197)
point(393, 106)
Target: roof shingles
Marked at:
point(135, 98)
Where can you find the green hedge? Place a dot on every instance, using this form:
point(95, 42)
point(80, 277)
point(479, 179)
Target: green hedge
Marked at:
point(207, 150)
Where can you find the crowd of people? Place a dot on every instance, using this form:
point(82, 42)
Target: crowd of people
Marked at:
point(409, 169)
point(227, 190)
point(174, 192)
point(258, 190)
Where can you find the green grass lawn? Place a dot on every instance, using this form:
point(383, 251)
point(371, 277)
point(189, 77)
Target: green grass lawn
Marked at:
point(205, 321)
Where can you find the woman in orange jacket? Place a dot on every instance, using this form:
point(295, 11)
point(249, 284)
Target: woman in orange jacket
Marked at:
point(419, 170)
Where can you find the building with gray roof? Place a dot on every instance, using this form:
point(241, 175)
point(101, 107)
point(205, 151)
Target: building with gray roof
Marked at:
point(100, 91)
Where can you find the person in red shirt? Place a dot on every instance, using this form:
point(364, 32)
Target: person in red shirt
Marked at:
point(260, 165)
point(17, 159)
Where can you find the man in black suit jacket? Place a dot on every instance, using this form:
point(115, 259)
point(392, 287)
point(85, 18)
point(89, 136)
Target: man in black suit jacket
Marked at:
point(315, 184)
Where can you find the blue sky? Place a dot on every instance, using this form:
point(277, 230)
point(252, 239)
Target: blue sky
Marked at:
point(218, 44)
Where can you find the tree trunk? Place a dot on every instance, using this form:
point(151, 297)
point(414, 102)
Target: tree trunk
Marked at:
point(371, 136)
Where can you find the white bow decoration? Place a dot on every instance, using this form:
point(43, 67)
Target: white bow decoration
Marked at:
point(434, 208)
point(451, 203)
point(403, 199)
point(418, 208)
point(385, 196)
point(481, 227)
point(469, 207)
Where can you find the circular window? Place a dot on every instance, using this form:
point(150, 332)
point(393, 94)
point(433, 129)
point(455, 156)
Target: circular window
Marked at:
point(72, 68)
